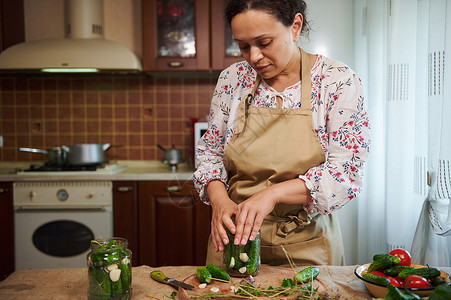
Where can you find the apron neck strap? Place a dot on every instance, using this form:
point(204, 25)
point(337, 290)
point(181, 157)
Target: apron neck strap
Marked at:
point(306, 81)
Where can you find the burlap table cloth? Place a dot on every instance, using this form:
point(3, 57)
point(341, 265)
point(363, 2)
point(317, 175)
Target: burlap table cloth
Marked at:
point(36, 284)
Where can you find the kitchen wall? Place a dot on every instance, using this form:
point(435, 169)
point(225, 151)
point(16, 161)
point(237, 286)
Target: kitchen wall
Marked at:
point(132, 113)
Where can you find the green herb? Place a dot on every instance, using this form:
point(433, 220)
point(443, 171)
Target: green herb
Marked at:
point(248, 290)
point(441, 293)
point(173, 295)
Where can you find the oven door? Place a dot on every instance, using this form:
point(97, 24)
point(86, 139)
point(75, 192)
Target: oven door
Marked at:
point(48, 239)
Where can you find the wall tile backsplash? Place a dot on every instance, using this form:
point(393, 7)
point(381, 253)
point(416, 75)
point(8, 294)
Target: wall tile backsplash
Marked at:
point(132, 113)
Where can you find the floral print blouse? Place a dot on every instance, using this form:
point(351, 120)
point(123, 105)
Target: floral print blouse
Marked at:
point(340, 120)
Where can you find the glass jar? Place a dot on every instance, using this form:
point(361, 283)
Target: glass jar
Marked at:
point(242, 261)
point(109, 269)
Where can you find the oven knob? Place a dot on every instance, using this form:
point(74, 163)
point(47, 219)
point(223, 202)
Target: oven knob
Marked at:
point(62, 195)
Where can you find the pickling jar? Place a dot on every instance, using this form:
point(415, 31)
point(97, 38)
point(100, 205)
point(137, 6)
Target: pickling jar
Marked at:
point(242, 260)
point(109, 269)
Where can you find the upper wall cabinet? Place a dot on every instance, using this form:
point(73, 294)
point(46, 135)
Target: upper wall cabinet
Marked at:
point(12, 28)
point(186, 35)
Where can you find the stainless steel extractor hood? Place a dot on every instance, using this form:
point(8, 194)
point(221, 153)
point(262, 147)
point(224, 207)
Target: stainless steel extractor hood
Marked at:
point(83, 50)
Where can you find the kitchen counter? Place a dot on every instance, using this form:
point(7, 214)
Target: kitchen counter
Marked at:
point(124, 170)
point(339, 282)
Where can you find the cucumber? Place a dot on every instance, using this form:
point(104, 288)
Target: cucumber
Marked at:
point(394, 271)
point(396, 260)
point(306, 275)
point(254, 262)
point(228, 250)
point(375, 278)
point(203, 275)
point(427, 273)
point(217, 272)
point(126, 275)
point(116, 288)
point(381, 263)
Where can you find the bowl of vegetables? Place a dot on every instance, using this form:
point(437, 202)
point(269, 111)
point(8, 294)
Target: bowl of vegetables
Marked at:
point(395, 269)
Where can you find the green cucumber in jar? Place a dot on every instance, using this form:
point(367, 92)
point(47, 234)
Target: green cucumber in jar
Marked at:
point(126, 275)
point(254, 256)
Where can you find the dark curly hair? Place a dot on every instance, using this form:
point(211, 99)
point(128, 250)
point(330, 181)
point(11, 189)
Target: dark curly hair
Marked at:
point(283, 10)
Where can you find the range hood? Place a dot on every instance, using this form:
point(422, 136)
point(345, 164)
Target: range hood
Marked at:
point(84, 50)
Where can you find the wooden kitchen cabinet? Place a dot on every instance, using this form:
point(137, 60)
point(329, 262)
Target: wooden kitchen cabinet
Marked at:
point(12, 26)
point(174, 225)
point(188, 35)
point(7, 226)
point(125, 214)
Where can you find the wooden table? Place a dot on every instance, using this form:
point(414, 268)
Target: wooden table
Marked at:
point(340, 282)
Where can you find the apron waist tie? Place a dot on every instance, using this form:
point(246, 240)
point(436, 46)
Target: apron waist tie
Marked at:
point(289, 223)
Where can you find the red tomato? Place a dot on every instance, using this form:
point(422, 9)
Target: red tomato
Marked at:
point(379, 273)
point(415, 281)
point(394, 281)
point(404, 255)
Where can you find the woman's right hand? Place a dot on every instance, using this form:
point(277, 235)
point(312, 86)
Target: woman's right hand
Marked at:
point(223, 209)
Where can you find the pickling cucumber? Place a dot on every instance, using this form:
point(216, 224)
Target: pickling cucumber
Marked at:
point(306, 275)
point(394, 271)
point(116, 288)
point(217, 272)
point(396, 260)
point(203, 275)
point(228, 251)
point(375, 278)
point(381, 263)
point(427, 273)
point(254, 256)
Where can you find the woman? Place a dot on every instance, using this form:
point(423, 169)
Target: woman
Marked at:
point(287, 140)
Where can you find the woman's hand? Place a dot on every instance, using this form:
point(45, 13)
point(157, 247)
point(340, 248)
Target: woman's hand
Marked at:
point(223, 208)
point(250, 214)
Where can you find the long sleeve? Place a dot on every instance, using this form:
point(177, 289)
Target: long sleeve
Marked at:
point(342, 126)
point(232, 83)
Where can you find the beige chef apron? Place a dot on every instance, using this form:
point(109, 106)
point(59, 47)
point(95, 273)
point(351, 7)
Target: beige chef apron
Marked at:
point(271, 145)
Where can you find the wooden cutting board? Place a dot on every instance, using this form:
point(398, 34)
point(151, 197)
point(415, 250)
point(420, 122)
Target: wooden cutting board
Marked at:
point(268, 276)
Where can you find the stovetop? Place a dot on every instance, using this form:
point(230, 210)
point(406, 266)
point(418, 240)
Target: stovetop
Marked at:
point(44, 169)
point(62, 168)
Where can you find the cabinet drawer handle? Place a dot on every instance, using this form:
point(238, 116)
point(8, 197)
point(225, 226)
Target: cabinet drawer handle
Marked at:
point(2, 190)
point(175, 64)
point(173, 189)
point(125, 189)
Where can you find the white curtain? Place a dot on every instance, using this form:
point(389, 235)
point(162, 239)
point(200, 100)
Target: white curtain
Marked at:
point(401, 48)
point(432, 238)
point(371, 57)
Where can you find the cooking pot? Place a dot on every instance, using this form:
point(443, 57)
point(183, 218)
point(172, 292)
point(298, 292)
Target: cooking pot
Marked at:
point(56, 156)
point(172, 156)
point(85, 154)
